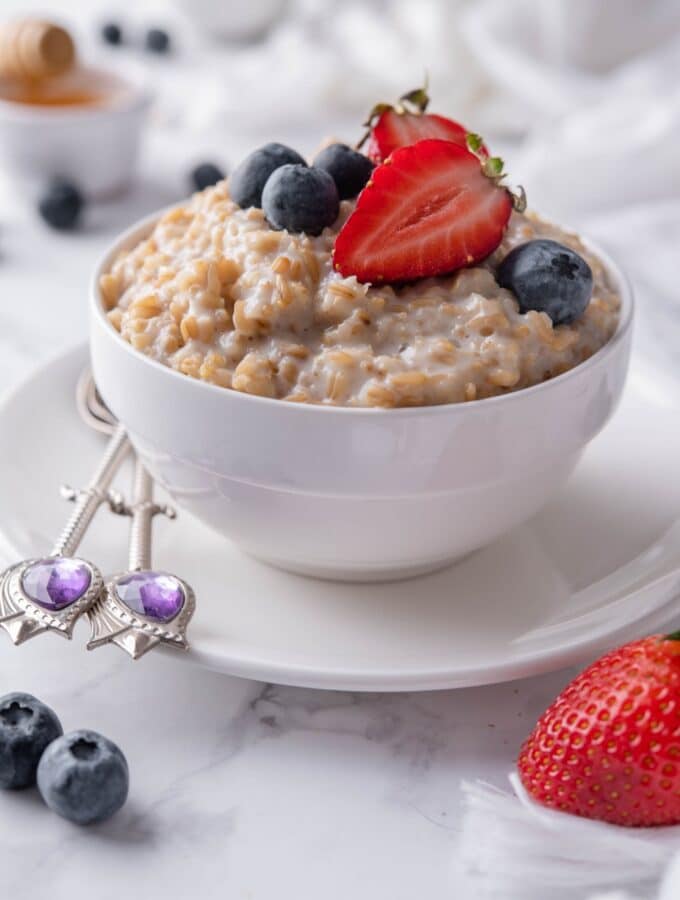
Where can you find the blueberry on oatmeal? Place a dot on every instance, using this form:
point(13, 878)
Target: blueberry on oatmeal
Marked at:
point(205, 175)
point(349, 169)
point(27, 727)
point(549, 277)
point(249, 177)
point(299, 198)
point(83, 777)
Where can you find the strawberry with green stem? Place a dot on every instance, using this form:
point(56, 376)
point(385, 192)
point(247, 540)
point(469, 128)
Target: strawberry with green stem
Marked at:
point(390, 126)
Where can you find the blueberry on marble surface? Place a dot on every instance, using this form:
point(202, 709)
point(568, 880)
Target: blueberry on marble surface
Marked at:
point(83, 777)
point(549, 277)
point(205, 175)
point(349, 169)
point(61, 204)
point(111, 33)
point(299, 198)
point(157, 40)
point(250, 176)
point(27, 728)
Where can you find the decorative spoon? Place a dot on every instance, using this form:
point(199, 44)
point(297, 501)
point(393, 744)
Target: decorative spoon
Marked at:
point(142, 607)
point(51, 593)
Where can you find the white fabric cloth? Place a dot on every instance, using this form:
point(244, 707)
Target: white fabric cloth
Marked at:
point(598, 81)
point(321, 63)
point(513, 849)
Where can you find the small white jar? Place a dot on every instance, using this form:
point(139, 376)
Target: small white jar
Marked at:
point(94, 144)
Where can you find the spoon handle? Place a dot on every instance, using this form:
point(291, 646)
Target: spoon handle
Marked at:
point(88, 501)
point(142, 516)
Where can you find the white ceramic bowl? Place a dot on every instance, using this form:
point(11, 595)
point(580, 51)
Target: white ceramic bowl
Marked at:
point(355, 494)
point(95, 146)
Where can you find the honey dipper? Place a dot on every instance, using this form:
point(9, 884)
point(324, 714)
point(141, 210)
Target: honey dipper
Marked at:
point(32, 49)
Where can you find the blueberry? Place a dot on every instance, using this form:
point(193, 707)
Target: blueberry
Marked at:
point(548, 277)
point(83, 777)
point(205, 175)
point(299, 198)
point(349, 169)
point(61, 204)
point(27, 726)
point(157, 40)
point(249, 178)
point(112, 33)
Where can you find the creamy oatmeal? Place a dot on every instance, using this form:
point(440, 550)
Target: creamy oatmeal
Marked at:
point(217, 294)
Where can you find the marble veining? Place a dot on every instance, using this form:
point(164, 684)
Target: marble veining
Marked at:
point(242, 789)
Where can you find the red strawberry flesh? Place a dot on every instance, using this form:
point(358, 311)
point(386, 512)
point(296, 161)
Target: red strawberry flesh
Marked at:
point(401, 129)
point(428, 210)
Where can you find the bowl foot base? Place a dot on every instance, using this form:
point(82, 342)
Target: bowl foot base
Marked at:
point(358, 574)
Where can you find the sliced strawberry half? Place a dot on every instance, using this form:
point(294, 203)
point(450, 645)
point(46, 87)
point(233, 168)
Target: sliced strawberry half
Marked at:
point(391, 127)
point(429, 209)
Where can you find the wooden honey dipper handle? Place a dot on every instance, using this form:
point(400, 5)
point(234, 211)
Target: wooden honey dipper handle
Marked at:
point(32, 49)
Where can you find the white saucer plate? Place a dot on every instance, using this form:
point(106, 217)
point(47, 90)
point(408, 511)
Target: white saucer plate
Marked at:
point(597, 566)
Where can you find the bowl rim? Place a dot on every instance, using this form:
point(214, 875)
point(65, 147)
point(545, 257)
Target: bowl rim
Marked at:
point(135, 96)
point(141, 229)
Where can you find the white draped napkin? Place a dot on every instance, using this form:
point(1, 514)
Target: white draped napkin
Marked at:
point(513, 849)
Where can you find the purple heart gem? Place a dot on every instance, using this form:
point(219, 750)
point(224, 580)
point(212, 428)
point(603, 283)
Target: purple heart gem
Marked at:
point(152, 594)
point(57, 582)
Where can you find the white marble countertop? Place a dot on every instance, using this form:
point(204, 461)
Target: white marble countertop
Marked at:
point(246, 790)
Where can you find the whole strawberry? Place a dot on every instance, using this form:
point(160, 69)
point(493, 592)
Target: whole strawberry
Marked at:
point(406, 122)
point(609, 747)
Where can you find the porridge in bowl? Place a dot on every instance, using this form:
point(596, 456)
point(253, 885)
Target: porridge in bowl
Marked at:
point(434, 311)
point(404, 276)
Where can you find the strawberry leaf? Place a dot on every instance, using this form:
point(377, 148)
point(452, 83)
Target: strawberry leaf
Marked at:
point(417, 98)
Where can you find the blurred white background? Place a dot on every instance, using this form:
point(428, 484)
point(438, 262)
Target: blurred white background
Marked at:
point(585, 75)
